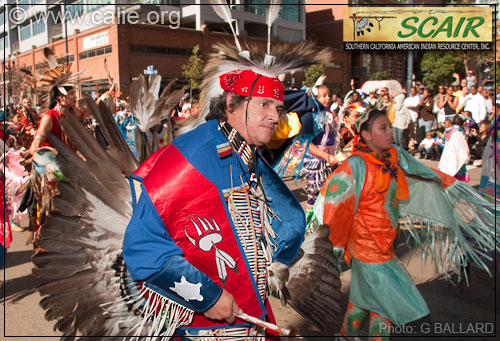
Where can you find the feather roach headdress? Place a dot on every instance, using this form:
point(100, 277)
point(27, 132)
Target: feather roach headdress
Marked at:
point(271, 63)
point(58, 75)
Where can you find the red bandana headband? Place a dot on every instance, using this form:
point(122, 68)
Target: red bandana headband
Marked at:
point(250, 84)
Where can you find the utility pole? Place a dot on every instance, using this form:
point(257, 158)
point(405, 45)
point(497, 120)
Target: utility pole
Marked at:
point(65, 30)
point(409, 65)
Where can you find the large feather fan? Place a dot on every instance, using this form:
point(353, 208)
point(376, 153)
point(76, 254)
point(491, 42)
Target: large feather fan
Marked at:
point(311, 285)
point(286, 57)
point(82, 241)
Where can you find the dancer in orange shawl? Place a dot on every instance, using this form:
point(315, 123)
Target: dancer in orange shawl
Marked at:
point(363, 203)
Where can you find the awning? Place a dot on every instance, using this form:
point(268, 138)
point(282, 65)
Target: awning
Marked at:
point(392, 85)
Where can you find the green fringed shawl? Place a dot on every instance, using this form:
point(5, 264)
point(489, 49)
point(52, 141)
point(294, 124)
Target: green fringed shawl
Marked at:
point(453, 226)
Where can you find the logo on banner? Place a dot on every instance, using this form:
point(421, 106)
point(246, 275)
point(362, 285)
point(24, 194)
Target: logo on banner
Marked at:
point(470, 27)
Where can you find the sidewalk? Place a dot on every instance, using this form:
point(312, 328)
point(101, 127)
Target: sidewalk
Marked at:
point(449, 305)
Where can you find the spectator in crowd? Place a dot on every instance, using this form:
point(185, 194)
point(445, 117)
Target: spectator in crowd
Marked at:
point(386, 102)
point(441, 92)
point(380, 100)
point(195, 107)
point(355, 97)
point(425, 114)
point(471, 79)
point(401, 119)
point(371, 100)
point(448, 102)
point(438, 144)
point(456, 151)
point(425, 146)
point(411, 103)
point(461, 99)
point(420, 91)
point(488, 101)
point(477, 141)
point(476, 104)
point(336, 103)
point(459, 93)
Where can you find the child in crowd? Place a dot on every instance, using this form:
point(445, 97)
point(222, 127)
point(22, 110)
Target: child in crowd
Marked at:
point(425, 146)
point(363, 202)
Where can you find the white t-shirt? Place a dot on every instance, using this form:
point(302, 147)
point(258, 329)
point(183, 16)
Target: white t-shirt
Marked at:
point(427, 143)
point(412, 102)
point(476, 104)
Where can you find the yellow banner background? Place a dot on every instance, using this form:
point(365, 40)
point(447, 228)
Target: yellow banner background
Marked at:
point(438, 23)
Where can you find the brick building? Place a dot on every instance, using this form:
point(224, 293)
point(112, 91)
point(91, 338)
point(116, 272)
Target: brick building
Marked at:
point(88, 34)
point(324, 23)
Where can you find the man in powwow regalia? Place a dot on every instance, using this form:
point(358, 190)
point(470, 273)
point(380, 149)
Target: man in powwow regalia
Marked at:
point(212, 214)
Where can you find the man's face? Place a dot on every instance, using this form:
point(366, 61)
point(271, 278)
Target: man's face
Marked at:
point(413, 91)
point(27, 103)
point(261, 121)
point(473, 90)
point(324, 97)
point(485, 93)
point(465, 91)
point(447, 124)
point(463, 83)
point(442, 90)
point(449, 91)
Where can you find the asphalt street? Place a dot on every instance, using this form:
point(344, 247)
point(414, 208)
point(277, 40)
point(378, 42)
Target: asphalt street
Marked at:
point(454, 309)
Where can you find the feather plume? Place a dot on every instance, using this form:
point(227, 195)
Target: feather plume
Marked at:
point(59, 75)
point(287, 57)
point(149, 110)
point(272, 12)
point(319, 82)
point(51, 58)
point(221, 8)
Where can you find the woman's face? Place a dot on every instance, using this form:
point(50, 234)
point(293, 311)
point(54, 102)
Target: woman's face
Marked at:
point(356, 97)
point(379, 138)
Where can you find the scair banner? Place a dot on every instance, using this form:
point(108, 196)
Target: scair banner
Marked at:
point(418, 28)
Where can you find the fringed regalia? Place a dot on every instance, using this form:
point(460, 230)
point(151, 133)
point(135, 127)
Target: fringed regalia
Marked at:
point(368, 200)
point(319, 128)
point(230, 223)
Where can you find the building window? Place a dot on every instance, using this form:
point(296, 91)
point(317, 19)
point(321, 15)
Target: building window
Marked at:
point(24, 4)
point(4, 42)
point(25, 31)
point(38, 27)
point(399, 69)
point(379, 62)
point(367, 62)
point(390, 66)
point(160, 50)
point(97, 4)
point(256, 6)
point(291, 10)
point(161, 2)
point(97, 52)
point(75, 9)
